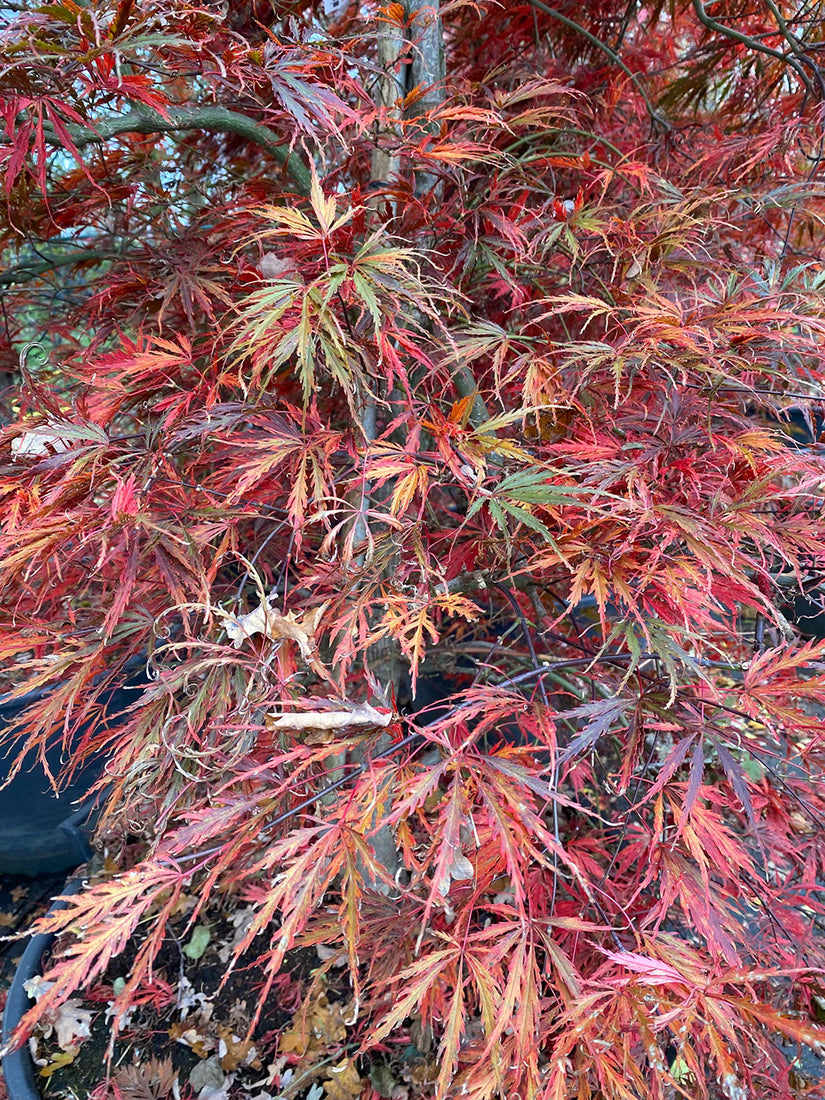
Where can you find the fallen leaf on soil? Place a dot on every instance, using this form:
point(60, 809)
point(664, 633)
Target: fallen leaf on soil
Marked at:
point(383, 1080)
point(70, 1023)
point(184, 1032)
point(241, 920)
point(150, 1080)
point(198, 942)
point(61, 1058)
point(234, 1052)
point(343, 1082)
point(316, 1027)
point(420, 1071)
point(209, 1080)
point(187, 999)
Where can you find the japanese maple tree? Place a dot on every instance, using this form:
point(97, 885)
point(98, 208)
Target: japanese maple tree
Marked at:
point(357, 350)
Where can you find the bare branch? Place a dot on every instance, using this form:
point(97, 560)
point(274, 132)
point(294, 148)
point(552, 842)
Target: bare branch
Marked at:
point(606, 50)
point(389, 91)
point(752, 43)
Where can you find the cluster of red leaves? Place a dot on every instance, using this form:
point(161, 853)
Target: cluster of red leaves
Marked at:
point(508, 415)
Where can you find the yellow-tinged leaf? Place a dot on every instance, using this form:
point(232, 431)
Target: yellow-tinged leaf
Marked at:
point(292, 220)
point(453, 603)
point(494, 423)
point(411, 624)
point(343, 1081)
point(60, 1059)
point(416, 481)
point(386, 468)
point(323, 208)
point(461, 409)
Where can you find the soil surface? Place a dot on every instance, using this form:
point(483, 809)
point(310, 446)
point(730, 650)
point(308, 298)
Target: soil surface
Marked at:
point(192, 1037)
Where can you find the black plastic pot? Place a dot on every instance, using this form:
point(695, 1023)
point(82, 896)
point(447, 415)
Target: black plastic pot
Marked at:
point(803, 429)
point(41, 833)
point(18, 1068)
point(808, 613)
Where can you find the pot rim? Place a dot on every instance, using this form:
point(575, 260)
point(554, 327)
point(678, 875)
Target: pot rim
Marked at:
point(18, 1067)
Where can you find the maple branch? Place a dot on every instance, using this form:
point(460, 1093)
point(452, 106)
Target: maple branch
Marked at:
point(608, 52)
point(214, 118)
point(30, 270)
point(418, 737)
point(426, 72)
point(752, 43)
point(389, 92)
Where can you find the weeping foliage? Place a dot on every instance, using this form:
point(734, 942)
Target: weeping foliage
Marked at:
point(317, 395)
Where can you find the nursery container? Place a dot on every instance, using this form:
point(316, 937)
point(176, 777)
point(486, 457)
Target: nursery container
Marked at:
point(18, 1068)
point(40, 832)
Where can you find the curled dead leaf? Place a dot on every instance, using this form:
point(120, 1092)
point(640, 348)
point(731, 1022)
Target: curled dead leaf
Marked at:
point(188, 1034)
point(333, 955)
point(274, 266)
point(461, 867)
point(337, 718)
point(459, 870)
point(801, 824)
point(635, 269)
point(265, 620)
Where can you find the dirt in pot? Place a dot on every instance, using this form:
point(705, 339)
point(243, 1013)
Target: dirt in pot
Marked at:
point(185, 1038)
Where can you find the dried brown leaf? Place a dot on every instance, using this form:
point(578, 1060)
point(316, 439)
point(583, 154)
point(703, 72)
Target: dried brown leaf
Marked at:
point(264, 620)
point(343, 1082)
point(150, 1080)
point(359, 714)
point(315, 1028)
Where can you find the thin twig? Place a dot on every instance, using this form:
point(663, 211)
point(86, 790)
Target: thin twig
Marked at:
point(752, 43)
point(608, 52)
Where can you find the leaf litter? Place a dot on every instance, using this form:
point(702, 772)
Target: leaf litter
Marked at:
point(186, 1039)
